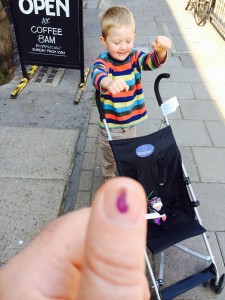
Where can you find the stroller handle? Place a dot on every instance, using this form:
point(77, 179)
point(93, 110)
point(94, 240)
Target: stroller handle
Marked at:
point(156, 87)
point(99, 105)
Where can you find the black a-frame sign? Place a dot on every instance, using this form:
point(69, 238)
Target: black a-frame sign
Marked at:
point(49, 33)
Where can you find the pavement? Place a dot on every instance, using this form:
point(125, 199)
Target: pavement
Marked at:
point(49, 146)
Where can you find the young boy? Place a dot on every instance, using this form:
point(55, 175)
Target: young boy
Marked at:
point(117, 75)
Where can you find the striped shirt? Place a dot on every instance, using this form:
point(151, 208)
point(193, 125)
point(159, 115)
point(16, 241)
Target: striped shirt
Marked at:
point(125, 108)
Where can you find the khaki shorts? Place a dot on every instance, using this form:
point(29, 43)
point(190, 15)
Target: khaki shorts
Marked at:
point(108, 161)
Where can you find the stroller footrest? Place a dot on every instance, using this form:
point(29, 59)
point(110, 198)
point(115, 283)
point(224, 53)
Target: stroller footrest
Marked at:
point(188, 283)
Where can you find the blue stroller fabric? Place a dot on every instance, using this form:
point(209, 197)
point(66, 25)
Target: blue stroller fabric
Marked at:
point(155, 161)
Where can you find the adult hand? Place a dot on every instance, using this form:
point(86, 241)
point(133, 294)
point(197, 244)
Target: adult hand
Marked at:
point(95, 253)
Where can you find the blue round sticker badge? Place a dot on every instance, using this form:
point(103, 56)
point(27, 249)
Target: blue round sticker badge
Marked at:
point(145, 150)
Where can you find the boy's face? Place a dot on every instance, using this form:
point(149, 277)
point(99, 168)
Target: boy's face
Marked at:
point(119, 42)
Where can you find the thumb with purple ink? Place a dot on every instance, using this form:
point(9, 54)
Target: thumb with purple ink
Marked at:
point(114, 266)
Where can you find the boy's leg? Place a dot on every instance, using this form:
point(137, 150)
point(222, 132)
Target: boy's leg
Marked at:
point(129, 132)
point(108, 161)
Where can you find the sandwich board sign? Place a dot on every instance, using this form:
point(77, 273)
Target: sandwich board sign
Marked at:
point(49, 33)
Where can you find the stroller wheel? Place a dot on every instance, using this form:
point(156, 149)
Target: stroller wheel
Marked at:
point(218, 288)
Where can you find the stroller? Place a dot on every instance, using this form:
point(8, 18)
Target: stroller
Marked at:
point(155, 161)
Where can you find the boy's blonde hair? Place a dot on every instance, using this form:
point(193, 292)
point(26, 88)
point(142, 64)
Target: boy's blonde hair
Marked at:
point(116, 16)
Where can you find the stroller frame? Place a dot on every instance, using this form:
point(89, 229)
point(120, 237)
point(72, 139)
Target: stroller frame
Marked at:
point(209, 276)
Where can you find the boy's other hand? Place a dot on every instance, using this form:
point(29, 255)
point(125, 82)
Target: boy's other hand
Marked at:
point(162, 43)
point(114, 86)
point(160, 46)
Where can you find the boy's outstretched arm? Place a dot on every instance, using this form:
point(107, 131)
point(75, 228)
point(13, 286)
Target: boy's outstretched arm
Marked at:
point(104, 83)
point(160, 46)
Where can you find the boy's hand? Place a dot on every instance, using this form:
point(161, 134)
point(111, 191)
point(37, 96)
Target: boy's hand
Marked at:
point(114, 86)
point(160, 46)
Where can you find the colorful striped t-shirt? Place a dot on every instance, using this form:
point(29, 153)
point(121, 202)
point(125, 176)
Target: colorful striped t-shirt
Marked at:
point(125, 108)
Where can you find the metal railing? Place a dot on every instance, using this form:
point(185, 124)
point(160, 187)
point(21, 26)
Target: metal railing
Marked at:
point(217, 17)
point(208, 10)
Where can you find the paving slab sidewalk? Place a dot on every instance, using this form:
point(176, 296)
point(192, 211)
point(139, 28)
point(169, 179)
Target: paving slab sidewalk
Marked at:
point(41, 142)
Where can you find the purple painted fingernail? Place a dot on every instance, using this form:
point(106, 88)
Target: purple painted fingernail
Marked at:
point(121, 203)
point(121, 206)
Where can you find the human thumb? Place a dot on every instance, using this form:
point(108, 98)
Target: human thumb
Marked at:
point(114, 266)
